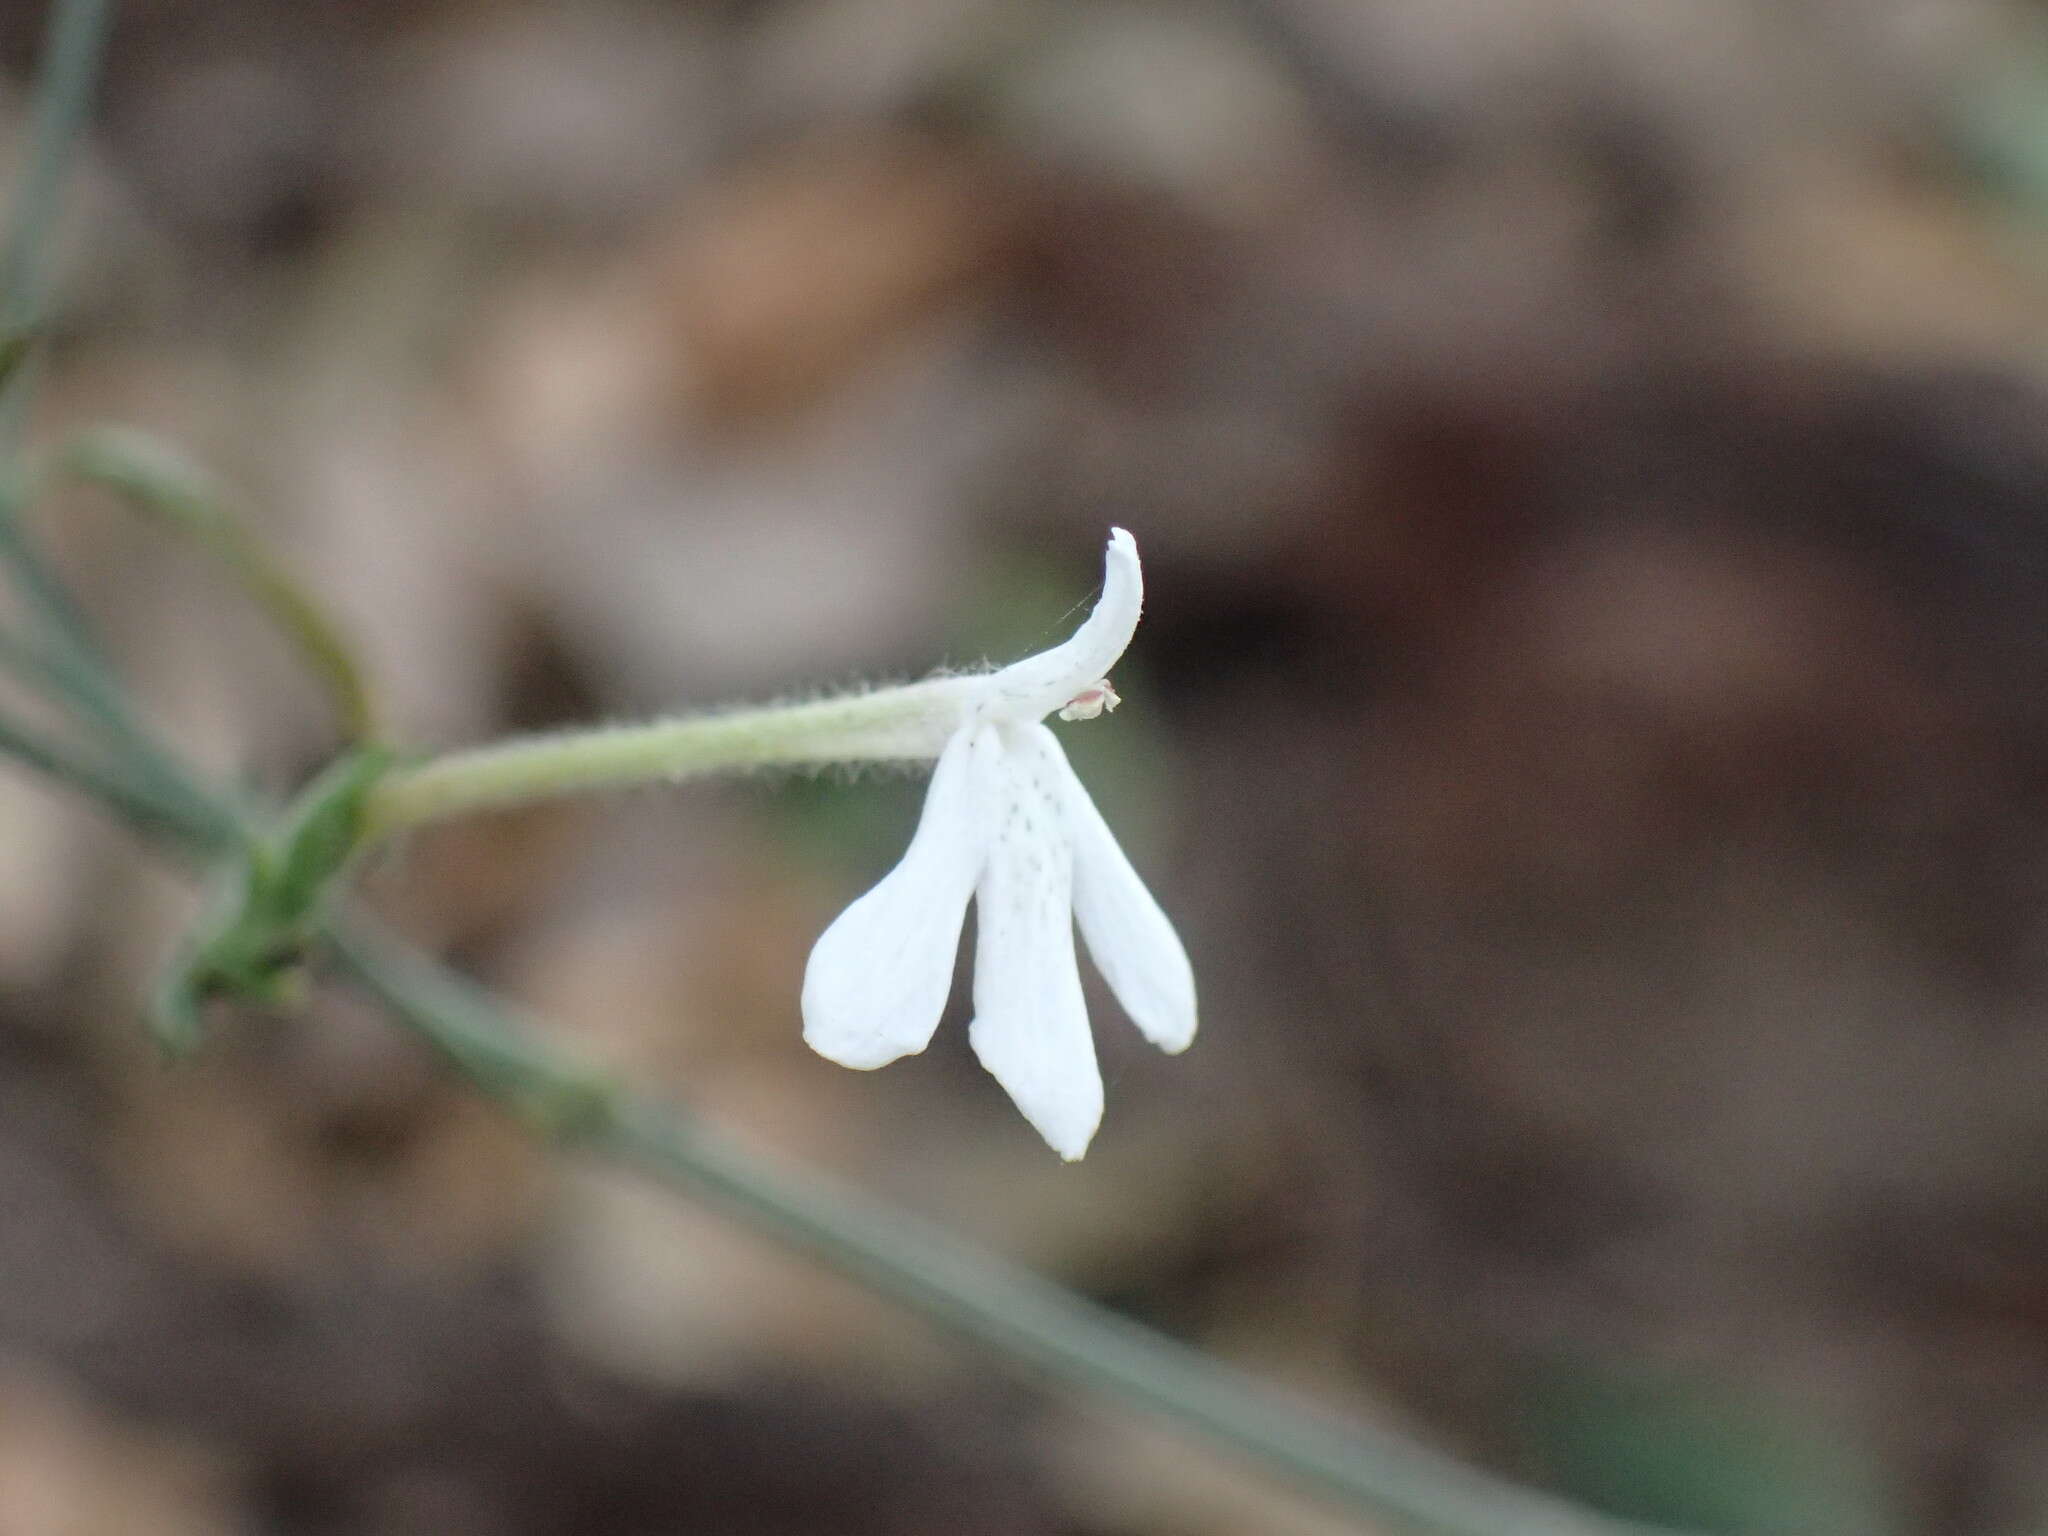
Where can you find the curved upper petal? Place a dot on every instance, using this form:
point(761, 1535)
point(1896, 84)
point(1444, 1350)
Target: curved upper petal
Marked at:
point(1132, 941)
point(1030, 1023)
point(1033, 688)
point(877, 979)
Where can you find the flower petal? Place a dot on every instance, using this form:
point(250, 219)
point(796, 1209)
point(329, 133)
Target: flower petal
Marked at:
point(1033, 688)
point(1030, 1025)
point(878, 977)
point(1132, 941)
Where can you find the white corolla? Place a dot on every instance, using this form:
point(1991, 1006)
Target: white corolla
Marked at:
point(1007, 824)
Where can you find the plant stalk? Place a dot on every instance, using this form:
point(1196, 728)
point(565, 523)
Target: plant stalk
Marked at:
point(888, 724)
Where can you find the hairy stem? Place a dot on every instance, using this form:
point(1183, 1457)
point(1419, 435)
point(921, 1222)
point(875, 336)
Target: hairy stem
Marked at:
point(904, 723)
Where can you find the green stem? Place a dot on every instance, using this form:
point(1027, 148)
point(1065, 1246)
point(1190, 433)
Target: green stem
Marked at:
point(72, 44)
point(35, 581)
point(888, 724)
point(146, 771)
point(142, 806)
point(1009, 1309)
point(67, 679)
point(67, 666)
point(156, 480)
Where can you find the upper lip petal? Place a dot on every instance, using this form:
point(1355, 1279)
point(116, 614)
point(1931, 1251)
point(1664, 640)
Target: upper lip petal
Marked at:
point(1033, 688)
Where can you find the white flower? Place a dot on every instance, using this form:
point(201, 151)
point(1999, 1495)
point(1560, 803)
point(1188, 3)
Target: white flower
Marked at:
point(1007, 824)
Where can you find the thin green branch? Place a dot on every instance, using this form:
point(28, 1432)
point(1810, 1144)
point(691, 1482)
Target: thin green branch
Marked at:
point(140, 805)
point(73, 42)
point(999, 1305)
point(145, 766)
point(38, 585)
point(69, 665)
point(156, 480)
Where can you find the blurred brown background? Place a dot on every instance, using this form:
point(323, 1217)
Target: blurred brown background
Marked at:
point(1591, 725)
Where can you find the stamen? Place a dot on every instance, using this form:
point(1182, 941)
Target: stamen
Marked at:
point(1100, 699)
